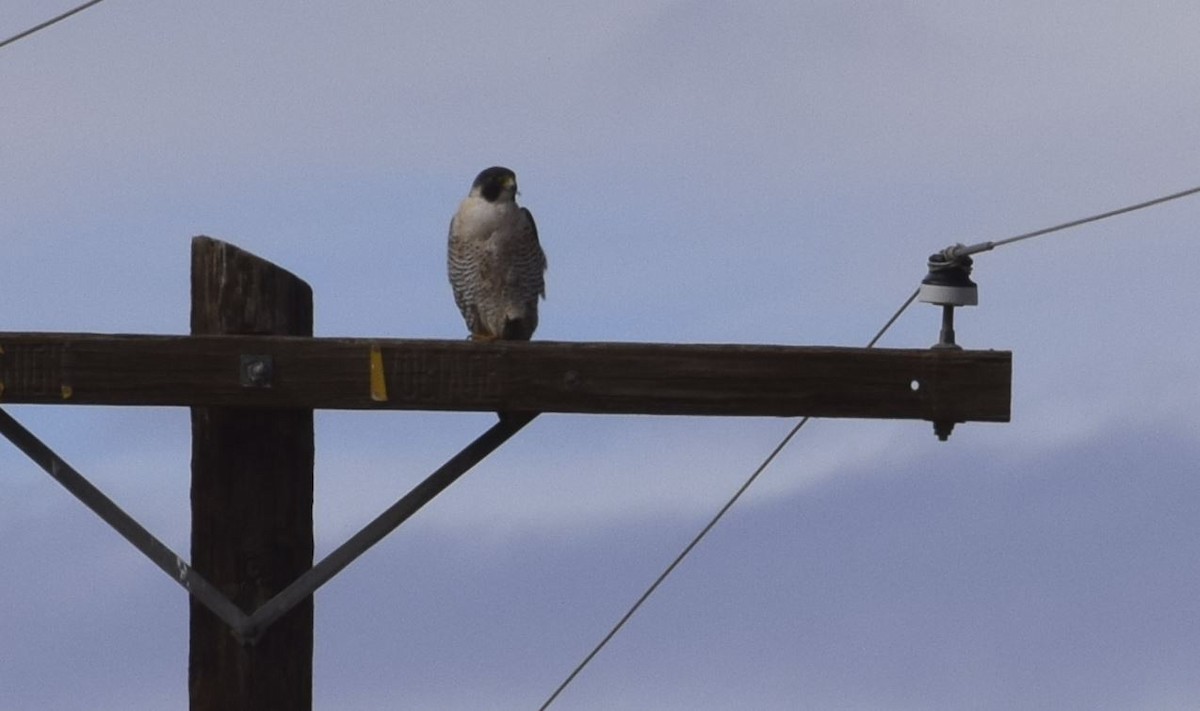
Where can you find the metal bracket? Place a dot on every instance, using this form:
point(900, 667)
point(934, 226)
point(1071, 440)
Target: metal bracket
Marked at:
point(250, 628)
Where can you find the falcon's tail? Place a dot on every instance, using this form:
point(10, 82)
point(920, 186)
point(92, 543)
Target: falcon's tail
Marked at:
point(518, 329)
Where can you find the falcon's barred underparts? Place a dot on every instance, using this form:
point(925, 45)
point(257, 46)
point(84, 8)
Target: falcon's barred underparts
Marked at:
point(496, 264)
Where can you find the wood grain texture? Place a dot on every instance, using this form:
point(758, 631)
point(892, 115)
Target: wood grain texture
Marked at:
point(613, 378)
point(252, 495)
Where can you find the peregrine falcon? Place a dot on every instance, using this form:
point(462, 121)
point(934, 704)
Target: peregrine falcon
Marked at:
point(496, 264)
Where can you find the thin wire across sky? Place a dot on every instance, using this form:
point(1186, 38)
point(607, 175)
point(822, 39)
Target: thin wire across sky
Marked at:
point(47, 23)
point(962, 251)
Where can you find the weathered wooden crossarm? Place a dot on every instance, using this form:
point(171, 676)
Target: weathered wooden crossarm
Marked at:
point(634, 378)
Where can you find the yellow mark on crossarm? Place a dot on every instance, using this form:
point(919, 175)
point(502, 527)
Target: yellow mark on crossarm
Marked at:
point(1, 389)
point(378, 384)
point(67, 392)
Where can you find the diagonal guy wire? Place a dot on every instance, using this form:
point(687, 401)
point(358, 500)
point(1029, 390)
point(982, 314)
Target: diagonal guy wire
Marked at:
point(704, 531)
point(249, 628)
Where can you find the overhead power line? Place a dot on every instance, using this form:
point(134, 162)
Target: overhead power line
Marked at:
point(708, 527)
point(47, 23)
point(988, 246)
point(960, 250)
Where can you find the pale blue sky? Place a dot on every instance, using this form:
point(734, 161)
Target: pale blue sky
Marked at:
point(768, 172)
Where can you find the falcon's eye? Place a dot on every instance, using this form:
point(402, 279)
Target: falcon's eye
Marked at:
point(491, 190)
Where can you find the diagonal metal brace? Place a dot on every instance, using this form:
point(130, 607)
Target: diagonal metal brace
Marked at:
point(114, 516)
point(250, 628)
point(385, 523)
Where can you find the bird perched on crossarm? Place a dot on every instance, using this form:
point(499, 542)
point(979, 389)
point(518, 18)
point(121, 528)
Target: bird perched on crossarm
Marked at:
point(495, 262)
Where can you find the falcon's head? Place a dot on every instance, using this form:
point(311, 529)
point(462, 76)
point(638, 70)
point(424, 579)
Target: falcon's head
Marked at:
point(495, 184)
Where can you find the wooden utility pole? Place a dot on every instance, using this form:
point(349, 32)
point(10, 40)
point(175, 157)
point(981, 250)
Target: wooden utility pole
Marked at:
point(252, 493)
point(252, 374)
